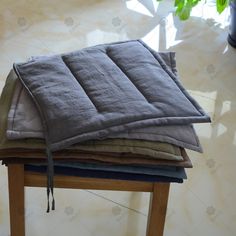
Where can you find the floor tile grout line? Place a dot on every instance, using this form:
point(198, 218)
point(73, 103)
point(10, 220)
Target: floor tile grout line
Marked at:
point(117, 203)
point(200, 200)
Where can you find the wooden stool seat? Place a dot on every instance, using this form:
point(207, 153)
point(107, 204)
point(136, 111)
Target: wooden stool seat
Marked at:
point(18, 178)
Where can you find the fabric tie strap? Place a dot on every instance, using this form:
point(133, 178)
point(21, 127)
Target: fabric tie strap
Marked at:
point(50, 184)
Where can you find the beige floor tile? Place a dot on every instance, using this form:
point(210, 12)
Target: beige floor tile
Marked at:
point(204, 204)
point(84, 212)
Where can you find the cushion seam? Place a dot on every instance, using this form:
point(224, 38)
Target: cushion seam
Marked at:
point(122, 70)
point(78, 81)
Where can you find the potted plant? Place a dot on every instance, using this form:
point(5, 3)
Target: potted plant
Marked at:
point(184, 8)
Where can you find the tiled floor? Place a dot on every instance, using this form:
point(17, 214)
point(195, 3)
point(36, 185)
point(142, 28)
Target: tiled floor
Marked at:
point(205, 204)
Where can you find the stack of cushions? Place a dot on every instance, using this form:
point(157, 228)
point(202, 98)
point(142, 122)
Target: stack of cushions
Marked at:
point(129, 118)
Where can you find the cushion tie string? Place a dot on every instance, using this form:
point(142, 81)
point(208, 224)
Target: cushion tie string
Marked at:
point(50, 184)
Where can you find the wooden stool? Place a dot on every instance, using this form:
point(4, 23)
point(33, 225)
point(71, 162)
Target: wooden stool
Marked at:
point(18, 178)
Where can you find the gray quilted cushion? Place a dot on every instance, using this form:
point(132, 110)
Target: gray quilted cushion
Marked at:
point(106, 89)
point(24, 121)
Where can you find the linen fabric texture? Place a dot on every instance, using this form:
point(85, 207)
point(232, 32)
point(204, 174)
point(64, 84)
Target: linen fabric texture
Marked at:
point(24, 121)
point(105, 89)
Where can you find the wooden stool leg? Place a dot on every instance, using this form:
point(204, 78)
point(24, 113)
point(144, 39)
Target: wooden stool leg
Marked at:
point(157, 209)
point(16, 199)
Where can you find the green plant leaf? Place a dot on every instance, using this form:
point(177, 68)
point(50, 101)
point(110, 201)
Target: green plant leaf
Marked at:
point(221, 5)
point(185, 13)
point(177, 2)
point(179, 7)
point(184, 7)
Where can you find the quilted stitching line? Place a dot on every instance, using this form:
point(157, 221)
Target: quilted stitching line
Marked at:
point(81, 85)
point(122, 70)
